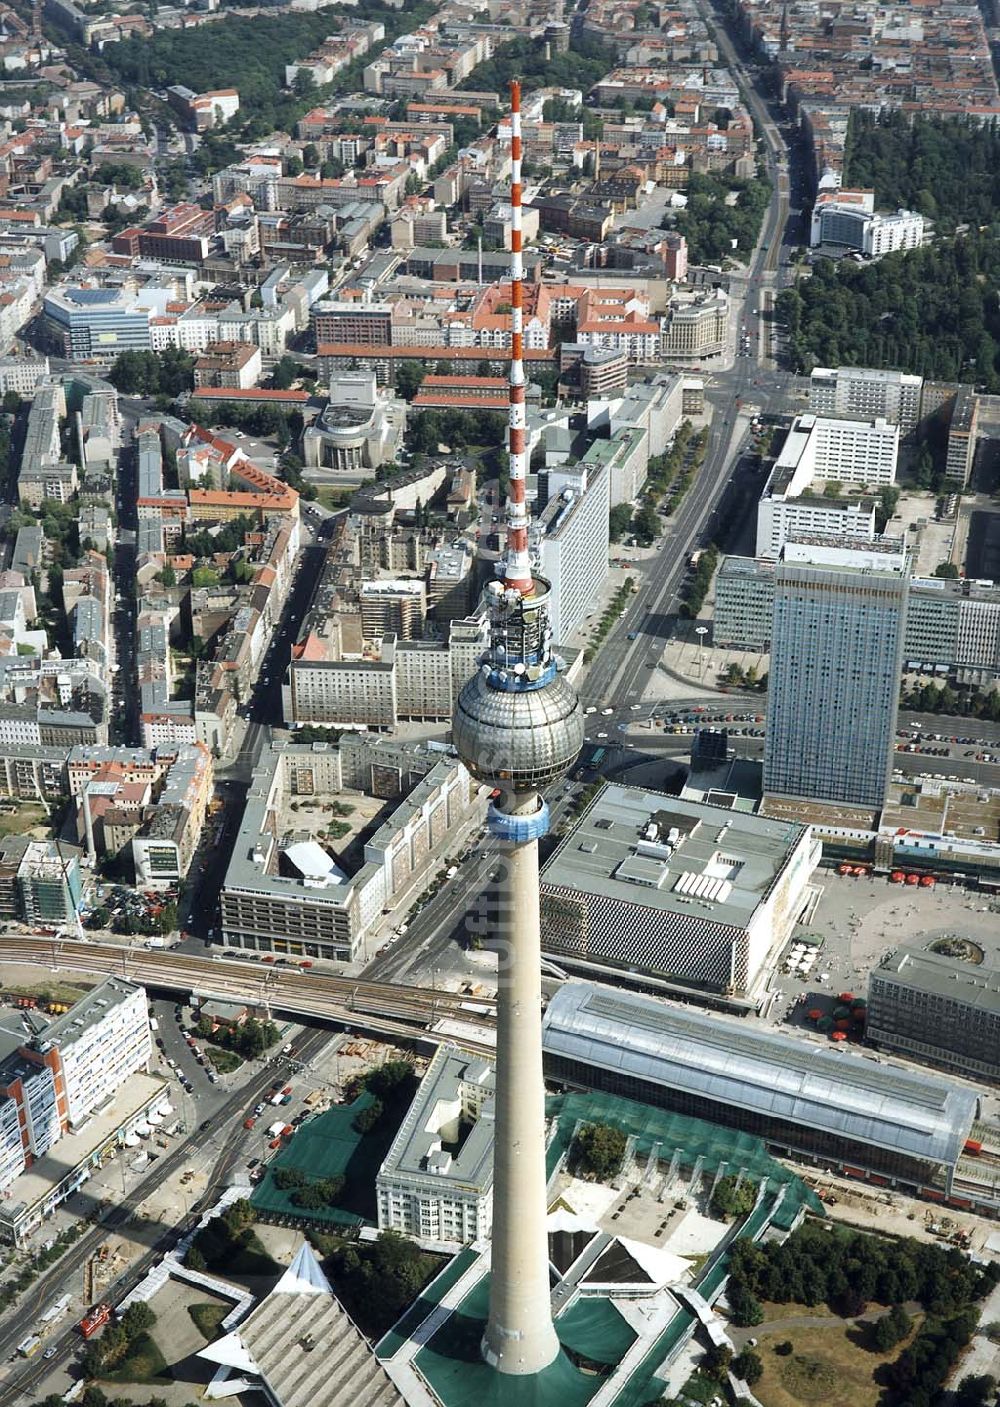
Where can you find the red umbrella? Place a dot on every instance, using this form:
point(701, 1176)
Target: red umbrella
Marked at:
point(815, 1014)
point(846, 997)
point(838, 1036)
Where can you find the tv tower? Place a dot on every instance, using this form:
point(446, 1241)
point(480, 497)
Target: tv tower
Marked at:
point(518, 727)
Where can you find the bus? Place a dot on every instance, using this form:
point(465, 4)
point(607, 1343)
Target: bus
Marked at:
point(598, 757)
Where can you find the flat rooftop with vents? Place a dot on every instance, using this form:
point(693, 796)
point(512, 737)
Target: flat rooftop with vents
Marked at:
point(698, 895)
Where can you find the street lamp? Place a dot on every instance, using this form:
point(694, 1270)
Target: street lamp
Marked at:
point(701, 631)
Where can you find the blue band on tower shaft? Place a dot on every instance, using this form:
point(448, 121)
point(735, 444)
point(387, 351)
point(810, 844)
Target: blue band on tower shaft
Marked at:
point(518, 830)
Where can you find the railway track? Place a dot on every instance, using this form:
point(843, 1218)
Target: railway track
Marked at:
point(384, 1008)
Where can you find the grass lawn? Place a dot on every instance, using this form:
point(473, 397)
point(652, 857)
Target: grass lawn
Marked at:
point(249, 1258)
point(827, 1367)
point(225, 1061)
point(207, 1318)
point(64, 992)
point(329, 497)
point(144, 1363)
point(24, 818)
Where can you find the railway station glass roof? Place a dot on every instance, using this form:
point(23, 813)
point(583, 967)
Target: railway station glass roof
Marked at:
point(729, 1064)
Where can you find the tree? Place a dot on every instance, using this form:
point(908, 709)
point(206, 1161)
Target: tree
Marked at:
point(167, 576)
point(748, 1366)
point(408, 378)
point(138, 1319)
point(729, 1201)
point(646, 525)
point(717, 1361)
point(194, 1260)
point(976, 1390)
point(746, 1308)
point(285, 1179)
point(597, 1151)
point(366, 1119)
point(619, 521)
point(947, 570)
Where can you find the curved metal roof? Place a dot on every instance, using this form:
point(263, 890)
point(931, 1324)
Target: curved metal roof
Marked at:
point(717, 1059)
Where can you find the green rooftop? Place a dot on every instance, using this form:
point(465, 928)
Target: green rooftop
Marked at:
point(712, 1143)
point(330, 1146)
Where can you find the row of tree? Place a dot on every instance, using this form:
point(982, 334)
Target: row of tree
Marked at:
point(846, 1269)
point(932, 311)
point(959, 703)
point(948, 168)
point(696, 587)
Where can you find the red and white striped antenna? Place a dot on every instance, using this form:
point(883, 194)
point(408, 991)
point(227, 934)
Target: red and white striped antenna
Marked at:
point(517, 563)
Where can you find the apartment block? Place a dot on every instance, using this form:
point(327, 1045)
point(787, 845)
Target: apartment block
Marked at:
point(571, 532)
point(962, 431)
point(865, 393)
point(82, 1075)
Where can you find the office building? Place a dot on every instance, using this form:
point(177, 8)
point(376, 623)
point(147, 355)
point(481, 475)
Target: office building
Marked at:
point(436, 1183)
point(695, 325)
point(952, 625)
point(284, 892)
point(938, 1009)
point(833, 689)
point(863, 393)
point(841, 451)
point(694, 897)
point(893, 1126)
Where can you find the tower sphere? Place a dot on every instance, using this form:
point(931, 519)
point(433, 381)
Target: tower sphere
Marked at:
point(521, 740)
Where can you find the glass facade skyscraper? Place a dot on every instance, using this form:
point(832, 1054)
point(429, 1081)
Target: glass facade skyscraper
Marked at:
point(833, 689)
